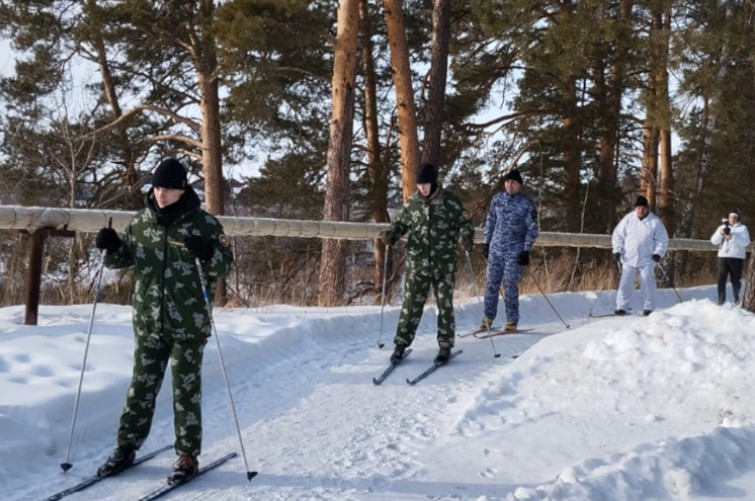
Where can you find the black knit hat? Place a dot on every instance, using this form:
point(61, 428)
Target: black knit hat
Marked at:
point(641, 202)
point(514, 175)
point(170, 174)
point(427, 174)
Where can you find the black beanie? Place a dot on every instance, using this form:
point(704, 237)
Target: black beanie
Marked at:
point(641, 202)
point(169, 174)
point(427, 174)
point(514, 175)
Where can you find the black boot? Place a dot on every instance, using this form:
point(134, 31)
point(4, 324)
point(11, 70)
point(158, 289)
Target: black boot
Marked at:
point(184, 468)
point(120, 459)
point(444, 353)
point(398, 354)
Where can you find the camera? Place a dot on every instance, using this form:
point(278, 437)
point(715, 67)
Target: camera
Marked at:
point(727, 226)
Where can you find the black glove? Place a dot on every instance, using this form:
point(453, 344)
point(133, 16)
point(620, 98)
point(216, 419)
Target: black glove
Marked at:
point(467, 244)
point(656, 258)
point(485, 250)
point(617, 256)
point(387, 237)
point(524, 258)
point(108, 240)
point(727, 230)
point(199, 247)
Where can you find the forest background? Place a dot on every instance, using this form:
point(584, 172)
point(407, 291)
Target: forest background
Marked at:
point(323, 110)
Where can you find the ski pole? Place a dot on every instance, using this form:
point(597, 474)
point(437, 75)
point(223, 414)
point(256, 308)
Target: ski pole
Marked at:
point(65, 465)
point(532, 277)
point(249, 474)
point(665, 277)
point(382, 294)
point(477, 293)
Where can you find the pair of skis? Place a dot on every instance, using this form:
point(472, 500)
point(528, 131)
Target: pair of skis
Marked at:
point(614, 314)
point(378, 380)
point(89, 481)
point(494, 331)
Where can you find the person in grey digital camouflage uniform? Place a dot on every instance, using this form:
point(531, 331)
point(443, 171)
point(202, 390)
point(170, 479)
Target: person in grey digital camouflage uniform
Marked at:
point(171, 321)
point(435, 219)
point(509, 234)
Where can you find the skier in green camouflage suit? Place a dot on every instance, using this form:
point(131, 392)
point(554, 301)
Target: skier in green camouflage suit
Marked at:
point(171, 321)
point(434, 218)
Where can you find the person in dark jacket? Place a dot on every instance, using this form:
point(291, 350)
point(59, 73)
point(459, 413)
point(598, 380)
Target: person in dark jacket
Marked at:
point(170, 317)
point(435, 219)
point(509, 234)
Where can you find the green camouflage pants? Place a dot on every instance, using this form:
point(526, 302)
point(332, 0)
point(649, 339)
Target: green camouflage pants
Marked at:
point(150, 360)
point(417, 287)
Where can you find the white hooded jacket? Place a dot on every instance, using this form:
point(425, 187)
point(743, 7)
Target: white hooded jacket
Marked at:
point(735, 247)
point(638, 239)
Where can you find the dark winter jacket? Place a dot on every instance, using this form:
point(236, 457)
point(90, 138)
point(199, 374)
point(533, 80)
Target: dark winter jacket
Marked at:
point(168, 298)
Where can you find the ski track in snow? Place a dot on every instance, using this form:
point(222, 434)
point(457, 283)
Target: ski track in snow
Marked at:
point(317, 429)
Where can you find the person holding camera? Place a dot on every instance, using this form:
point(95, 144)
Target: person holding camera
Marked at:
point(732, 239)
point(639, 242)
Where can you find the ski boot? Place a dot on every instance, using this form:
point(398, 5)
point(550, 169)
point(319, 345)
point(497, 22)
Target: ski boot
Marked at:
point(444, 353)
point(184, 468)
point(398, 353)
point(120, 459)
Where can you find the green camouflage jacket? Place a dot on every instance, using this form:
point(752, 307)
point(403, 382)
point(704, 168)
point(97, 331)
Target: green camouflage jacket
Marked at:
point(168, 298)
point(434, 227)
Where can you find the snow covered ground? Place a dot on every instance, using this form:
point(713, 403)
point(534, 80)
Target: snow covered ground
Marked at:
point(634, 408)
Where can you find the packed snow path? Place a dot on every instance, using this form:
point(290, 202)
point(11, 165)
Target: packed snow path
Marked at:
point(563, 416)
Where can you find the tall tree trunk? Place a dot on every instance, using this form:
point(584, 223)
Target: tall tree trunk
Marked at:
point(701, 153)
point(437, 85)
point(333, 260)
point(609, 123)
point(212, 158)
point(205, 57)
point(666, 193)
point(748, 298)
point(650, 139)
point(376, 168)
point(402, 78)
point(572, 162)
point(206, 62)
point(651, 131)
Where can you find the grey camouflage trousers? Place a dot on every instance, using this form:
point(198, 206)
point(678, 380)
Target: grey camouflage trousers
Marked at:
point(508, 270)
point(151, 357)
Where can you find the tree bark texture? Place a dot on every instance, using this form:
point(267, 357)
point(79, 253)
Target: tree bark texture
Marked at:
point(609, 122)
point(333, 259)
point(431, 143)
point(666, 193)
point(402, 78)
point(651, 131)
point(572, 162)
point(377, 171)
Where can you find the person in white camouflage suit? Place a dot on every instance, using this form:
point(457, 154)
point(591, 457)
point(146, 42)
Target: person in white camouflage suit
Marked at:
point(171, 321)
point(435, 219)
